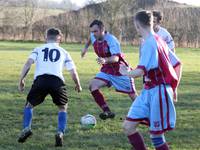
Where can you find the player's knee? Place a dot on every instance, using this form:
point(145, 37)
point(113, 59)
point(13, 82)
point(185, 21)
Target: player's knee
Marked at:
point(158, 140)
point(90, 87)
point(128, 128)
point(29, 105)
point(133, 96)
point(62, 108)
point(93, 87)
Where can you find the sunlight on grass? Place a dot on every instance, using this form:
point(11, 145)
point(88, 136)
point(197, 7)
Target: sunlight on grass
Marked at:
point(107, 135)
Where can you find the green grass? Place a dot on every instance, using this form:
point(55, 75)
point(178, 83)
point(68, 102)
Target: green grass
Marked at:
point(107, 135)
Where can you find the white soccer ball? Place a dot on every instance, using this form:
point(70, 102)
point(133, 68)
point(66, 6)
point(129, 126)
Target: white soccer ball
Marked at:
point(88, 121)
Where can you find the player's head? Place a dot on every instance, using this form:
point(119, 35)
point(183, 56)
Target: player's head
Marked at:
point(143, 20)
point(53, 35)
point(157, 19)
point(97, 28)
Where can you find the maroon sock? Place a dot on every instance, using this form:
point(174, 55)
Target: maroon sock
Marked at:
point(137, 141)
point(163, 147)
point(98, 97)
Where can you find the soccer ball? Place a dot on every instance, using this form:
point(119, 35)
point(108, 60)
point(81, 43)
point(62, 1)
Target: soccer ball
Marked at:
point(88, 121)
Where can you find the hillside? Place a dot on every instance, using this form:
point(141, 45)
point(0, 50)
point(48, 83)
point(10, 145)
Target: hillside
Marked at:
point(47, 4)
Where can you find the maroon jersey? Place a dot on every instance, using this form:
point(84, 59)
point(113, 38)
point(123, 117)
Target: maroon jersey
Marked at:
point(108, 47)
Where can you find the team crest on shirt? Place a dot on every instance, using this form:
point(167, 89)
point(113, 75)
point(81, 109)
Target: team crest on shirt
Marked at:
point(156, 124)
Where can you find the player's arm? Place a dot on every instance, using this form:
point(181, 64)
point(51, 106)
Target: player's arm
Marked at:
point(85, 49)
point(108, 60)
point(173, 49)
point(176, 64)
point(124, 70)
point(75, 77)
point(24, 72)
point(115, 50)
point(70, 66)
point(144, 63)
point(178, 70)
point(171, 45)
point(170, 42)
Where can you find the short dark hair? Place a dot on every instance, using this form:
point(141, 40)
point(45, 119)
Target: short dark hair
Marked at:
point(144, 17)
point(99, 23)
point(158, 15)
point(51, 33)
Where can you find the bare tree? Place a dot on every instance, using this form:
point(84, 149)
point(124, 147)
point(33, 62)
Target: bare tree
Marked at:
point(8, 19)
point(3, 8)
point(29, 9)
point(112, 9)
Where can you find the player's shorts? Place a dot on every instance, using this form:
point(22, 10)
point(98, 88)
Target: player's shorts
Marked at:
point(47, 84)
point(154, 107)
point(123, 84)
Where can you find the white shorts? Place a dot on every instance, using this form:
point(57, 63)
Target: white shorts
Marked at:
point(123, 84)
point(154, 107)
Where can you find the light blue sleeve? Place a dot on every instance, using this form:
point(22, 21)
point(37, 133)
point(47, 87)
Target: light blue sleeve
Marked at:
point(92, 38)
point(169, 40)
point(173, 58)
point(114, 45)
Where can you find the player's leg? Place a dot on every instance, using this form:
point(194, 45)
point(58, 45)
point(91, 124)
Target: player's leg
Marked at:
point(135, 138)
point(62, 118)
point(138, 113)
point(159, 142)
point(59, 95)
point(62, 125)
point(162, 99)
point(132, 96)
point(124, 84)
point(27, 120)
point(28, 115)
point(36, 96)
point(94, 87)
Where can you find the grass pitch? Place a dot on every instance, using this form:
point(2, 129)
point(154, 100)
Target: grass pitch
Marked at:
point(107, 135)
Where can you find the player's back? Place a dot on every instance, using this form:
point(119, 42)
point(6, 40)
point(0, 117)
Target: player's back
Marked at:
point(49, 59)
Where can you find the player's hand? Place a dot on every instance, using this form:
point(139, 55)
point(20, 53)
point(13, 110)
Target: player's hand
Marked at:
point(175, 96)
point(78, 88)
point(21, 85)
point(101, 60)
point(123, 69)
